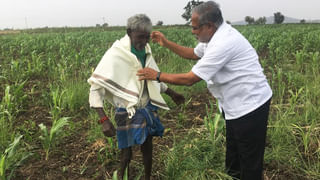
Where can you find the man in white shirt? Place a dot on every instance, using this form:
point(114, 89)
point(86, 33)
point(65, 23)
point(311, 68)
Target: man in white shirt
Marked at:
point(230, 66)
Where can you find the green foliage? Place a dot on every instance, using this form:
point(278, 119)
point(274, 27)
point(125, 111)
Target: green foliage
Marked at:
point(57, 100)
point(48, 138)
point(11, 159)
point(182, 114)
point(45, 71)
point(214, 124)
point(261, 20)
point(249, 19)
point(75, 96)
point(159, 23)
point(195, 157)
point(115, 175)
point(278, 18)
point(11, 104)
point(13, 100)
point(108, 151)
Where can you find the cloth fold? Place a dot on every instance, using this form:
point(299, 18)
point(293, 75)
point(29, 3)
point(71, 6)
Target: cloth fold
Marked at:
point(116, 72)
point(134, 131)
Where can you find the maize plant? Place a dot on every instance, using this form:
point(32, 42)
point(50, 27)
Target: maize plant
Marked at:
point(11, 159)
point(115, 175)
point(48, 138)
point(57, 101)
point(213, 125)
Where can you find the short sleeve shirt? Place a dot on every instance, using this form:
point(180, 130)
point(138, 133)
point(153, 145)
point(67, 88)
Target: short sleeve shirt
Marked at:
point(230, 66)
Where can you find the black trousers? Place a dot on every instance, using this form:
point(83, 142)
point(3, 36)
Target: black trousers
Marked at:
point(246, 137)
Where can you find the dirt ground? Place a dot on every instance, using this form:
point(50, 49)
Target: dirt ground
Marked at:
point(76, 159)
point(9, 32)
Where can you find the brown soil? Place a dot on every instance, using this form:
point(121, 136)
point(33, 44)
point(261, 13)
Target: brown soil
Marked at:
point(77, 159)
point(9, 32)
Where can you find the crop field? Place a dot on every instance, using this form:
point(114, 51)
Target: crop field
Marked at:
point(48, 131)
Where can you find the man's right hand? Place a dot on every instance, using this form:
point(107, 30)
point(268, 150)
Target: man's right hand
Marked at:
point(158, 37)
point(108, 129)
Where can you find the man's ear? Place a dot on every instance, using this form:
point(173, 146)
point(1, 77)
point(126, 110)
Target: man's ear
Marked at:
point(213, 26)
point(129, 32)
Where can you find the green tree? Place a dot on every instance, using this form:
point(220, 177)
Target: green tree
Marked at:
point(261, 20)
point(302, 21)
point(278, 18)
point(159, 23)
point(249, 19)
point(105, 25)
point(188, 9)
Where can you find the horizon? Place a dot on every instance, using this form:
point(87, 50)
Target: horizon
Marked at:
point(240, 22)
point(154, 24)
point(20, 14)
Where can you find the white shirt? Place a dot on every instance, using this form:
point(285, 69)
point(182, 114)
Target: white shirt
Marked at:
point(230, 66)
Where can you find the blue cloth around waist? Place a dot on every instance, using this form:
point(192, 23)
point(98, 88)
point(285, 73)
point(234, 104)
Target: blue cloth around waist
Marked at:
point(135, 131)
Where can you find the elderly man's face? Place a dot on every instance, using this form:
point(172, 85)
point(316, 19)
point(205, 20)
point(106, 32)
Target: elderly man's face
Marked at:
point(203, 32)
point(139, 39)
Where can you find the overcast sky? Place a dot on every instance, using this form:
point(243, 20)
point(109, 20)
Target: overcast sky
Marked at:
point(57, 13)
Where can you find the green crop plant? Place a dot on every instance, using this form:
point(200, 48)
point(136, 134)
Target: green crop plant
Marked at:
point(75, 96)
point(57, 102)
point(11, 159)
point(195, 156)
point(12, 102)
point(55, 64)
point(182, 114)
point(125, 176)
point(294, 98)
point(48, 138)
point(109, 148)
point(35, 64)
point(7, 106)
point(305, 134)
point(315, 62)
point(108, 152)
point(213, 124)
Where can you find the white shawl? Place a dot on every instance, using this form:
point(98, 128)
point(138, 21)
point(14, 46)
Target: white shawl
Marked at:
point(116, 72)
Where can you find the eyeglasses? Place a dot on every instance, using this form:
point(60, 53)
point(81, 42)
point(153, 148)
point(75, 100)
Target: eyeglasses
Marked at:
point(194, 28)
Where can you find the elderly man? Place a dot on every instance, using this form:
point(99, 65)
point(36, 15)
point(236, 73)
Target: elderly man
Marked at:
point(136, 101)
point(230, 66)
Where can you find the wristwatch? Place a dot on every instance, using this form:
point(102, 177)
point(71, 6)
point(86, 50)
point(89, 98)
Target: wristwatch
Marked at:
point(158, 77)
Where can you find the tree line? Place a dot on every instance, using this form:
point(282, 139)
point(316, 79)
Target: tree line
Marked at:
point(278, 16)
point(278, 19)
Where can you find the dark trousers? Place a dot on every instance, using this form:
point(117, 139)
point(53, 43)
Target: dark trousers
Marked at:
point(246, 137)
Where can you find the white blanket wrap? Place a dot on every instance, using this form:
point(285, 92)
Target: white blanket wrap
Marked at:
point(116, 72)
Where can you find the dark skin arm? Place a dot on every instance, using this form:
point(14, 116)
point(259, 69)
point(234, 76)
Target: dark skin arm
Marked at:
point(182, 51)
point(107, 127)
point(176, 97)
point(187, 79)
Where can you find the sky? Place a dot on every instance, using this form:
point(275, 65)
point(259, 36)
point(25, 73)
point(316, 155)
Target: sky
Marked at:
point(21, 14)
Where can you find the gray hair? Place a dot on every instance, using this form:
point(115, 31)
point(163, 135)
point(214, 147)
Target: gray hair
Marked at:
point(139, 22)
point(209, 12)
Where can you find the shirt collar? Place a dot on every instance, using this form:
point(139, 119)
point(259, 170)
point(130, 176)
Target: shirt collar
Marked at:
point(219, 31)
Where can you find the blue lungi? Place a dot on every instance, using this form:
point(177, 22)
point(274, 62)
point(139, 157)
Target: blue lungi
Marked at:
point(135, 131)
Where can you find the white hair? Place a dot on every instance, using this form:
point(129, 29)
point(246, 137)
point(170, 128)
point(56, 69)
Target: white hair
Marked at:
point(139, 22)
